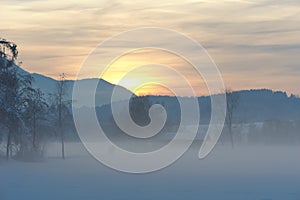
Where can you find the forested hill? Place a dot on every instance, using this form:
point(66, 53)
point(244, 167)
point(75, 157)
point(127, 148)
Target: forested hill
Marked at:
point(253, 106)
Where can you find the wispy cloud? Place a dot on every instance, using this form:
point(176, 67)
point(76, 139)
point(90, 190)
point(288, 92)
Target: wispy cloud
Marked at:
point(243, 37)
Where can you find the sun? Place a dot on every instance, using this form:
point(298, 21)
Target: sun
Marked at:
point(152, 89)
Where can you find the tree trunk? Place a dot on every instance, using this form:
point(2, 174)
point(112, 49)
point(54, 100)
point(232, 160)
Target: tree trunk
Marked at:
point(8, 145)
point(62, 145)
point(60, 129)
point(231, 136)
point(34, 134)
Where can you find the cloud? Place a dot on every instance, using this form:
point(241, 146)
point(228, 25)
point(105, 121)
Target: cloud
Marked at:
point(241, 36)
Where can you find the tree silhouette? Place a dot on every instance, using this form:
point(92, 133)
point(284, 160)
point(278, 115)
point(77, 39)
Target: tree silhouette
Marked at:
point(139, 108)
point(12, 89)
point(232, 104)
point(8, 50)
point(35, 111)
point(61, 107)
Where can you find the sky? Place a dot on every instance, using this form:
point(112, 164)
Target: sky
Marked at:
point(254, 43)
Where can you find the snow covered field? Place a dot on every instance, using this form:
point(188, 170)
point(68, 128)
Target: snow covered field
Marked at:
point(254, 173)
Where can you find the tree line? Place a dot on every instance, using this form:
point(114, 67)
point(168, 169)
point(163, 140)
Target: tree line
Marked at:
point(28, 118)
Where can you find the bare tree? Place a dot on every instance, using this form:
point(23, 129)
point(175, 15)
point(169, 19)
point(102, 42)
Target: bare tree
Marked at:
point(232, 104)
point(62, 110)
point(35, 110)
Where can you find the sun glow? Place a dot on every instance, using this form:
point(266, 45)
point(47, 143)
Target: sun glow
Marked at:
point(147, 72)
point(153, 89)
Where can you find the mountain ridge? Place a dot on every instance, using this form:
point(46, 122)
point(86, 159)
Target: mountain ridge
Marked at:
point(254, 104)
point(103, 94)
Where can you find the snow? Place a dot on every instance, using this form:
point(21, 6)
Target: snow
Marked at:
point(235, 174)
